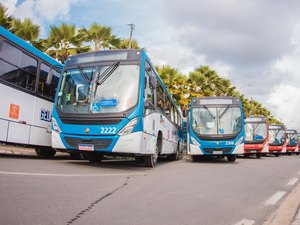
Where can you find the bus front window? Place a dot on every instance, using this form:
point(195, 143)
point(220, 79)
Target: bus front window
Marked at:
point(217, 121)
point(255, 132)
point(277, 136)
point(81, 92)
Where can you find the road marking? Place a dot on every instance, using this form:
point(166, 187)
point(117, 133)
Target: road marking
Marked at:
point(72, 175)
point(275, 198)
point(293, 181)
point(245, 222)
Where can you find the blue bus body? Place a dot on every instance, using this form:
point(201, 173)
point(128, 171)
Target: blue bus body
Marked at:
point(123, 108)
point(216, 127)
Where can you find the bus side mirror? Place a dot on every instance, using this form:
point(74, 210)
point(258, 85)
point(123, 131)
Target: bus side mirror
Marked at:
point(152, 82)
point(185, 113)
point(49, 77)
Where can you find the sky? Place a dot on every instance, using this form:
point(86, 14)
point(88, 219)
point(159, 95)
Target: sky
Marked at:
point(255, 44)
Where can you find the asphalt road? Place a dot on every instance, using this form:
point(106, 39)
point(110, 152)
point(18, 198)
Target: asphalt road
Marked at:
point(64, 191)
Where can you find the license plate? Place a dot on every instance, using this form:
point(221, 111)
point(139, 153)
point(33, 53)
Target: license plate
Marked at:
point(217, 152)
point(86, 147)
point(252, 151)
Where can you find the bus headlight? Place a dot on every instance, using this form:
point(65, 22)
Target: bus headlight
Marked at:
point(240, 141)
point(195, 142)
point(55, 126)
point(129, 127)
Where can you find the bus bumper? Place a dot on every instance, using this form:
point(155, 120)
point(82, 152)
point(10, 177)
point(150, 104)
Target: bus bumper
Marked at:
point(196, 150)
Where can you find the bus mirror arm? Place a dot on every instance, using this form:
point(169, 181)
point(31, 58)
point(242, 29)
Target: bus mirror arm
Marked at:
point(148, 105)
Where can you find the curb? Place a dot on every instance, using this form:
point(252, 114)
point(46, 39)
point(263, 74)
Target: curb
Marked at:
point(287, 212)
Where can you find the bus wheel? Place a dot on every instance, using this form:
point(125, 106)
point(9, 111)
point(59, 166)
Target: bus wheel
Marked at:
point(246, 156)
point(276, 154)
point(196, 158)
point(176, 156)
point(231, 158)
point(45, 152)
point(76, 155)
point(151, 160)
point(258, 155)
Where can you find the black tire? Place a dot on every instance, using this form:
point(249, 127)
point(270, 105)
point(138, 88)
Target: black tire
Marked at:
point(246, 156)
point(176, 156)
point(258, 155)
point(195, 158)
point(93, 157)
point(289, 153)
point(276, 154)
point(151, 160)
point(45, 152)
point(231, 158)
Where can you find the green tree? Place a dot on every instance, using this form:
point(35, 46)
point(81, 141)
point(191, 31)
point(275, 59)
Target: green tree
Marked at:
point(100, 36)
point(124, 43)
point(5, 19)
point(64, 41)
point(25, 29)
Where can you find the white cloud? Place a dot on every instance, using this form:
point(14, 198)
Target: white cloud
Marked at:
point(40, 11)
point(284, 101)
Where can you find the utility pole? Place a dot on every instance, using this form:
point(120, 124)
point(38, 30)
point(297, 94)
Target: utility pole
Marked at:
point(130, 38)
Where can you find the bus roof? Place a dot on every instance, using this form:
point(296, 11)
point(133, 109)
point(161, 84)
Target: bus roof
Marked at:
point(220, 100)
point(23, 44)
point(275, 126)
point(291, 131)
point(255, 119)
point(105, 55)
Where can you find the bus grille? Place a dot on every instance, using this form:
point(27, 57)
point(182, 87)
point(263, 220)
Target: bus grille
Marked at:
point(90, 121)
point(211, 150)
point(99, 144)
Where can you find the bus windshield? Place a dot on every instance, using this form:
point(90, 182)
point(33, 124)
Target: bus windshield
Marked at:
point(255, 132)
point(277, 136)
point(225, 120)
point(94, 90)
point(292, 138)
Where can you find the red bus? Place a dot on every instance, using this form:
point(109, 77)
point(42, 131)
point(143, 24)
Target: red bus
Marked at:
point(256, 136)
point(278, 139)
point(292, 139)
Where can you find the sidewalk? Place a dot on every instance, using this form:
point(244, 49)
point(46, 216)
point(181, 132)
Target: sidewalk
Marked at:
point(296, 220)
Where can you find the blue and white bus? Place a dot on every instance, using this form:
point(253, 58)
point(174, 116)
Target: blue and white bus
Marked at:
point(26, 95)
point(216, 128)
point(114, 103)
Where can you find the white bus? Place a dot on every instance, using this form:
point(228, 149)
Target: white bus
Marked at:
point(114, 103)
point(26, 95)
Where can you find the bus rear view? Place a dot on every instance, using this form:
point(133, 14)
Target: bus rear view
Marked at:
point(292, 141)
point(278, 142)
point(256, 136)
point(216, 128)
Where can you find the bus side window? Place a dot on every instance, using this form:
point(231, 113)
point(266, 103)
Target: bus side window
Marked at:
point(43, 88)
point(149, 92)
point(167, 105)
point(160, 96)
point(172, 113)
point(17, 68)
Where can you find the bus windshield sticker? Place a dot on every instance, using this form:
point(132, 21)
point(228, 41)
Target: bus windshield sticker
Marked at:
point(221, 131)
point(96, 107)
point(108, 102)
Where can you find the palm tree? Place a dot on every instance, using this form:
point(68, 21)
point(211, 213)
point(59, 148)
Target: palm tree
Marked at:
point(5, 19)
point(101, 36)
point(124, 43)
point(25, 29)
point(64, 41)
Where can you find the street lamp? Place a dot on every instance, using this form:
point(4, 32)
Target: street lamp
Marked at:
point(130, 37)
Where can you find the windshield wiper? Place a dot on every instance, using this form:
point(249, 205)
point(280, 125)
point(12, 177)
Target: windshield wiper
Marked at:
point(106, 74)
point(222, 114)
point(210, 113)
point(83, 73)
